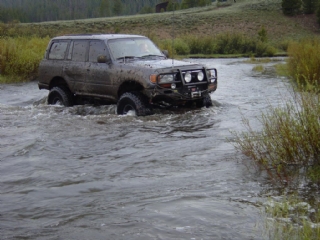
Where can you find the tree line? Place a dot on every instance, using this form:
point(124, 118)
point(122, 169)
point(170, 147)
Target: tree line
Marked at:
point(53, 10)
point(293, 7)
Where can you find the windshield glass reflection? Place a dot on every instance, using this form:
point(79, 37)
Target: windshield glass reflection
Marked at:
point(133, 48)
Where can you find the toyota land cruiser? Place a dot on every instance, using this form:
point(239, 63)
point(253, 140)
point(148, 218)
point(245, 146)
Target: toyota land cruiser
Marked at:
point(128, 70)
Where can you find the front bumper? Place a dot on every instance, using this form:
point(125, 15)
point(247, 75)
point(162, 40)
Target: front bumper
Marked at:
point(180, 90)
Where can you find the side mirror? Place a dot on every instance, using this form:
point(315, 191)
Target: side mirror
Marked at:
point(166, 53)
point(102, 59)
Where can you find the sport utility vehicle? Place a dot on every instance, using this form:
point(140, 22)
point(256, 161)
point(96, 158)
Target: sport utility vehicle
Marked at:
point(125, 69)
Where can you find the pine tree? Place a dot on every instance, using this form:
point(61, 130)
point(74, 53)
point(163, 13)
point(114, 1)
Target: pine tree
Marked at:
point(173, 5)
point(104, 9)
point(310, 6)
point(318, 14)
point(117, 7)
point(291, 7)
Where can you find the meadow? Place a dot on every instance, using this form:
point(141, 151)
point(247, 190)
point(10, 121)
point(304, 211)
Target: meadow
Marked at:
point(245, 28)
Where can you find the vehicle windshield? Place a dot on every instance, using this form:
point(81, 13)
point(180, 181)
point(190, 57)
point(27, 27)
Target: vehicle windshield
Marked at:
point(133, 48)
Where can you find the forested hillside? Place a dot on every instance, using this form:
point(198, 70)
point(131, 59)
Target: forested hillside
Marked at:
point(52, 10)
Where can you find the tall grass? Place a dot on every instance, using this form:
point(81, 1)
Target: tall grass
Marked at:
point(304, 62)
point(288, 147)
point(226, 43)
point(20, 57)
point(291, 218)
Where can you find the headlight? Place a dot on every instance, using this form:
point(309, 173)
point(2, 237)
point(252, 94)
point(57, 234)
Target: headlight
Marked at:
point(211, 73)
point(166, 78)
point(187, 77)
point(200, 76)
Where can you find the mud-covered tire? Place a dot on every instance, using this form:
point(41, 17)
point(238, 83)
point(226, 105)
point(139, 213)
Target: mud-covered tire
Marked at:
point(60, 96)
point(133, 101)
point(204, 102)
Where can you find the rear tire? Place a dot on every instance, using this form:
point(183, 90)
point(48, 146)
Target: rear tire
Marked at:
point(133, 101)
point(60, 96)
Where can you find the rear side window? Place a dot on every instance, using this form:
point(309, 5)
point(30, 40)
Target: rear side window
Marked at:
point(97, 48)
point(79, 51)
point(58, 50)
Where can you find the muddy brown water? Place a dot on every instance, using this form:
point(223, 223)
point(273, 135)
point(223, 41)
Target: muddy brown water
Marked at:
point(86, 173)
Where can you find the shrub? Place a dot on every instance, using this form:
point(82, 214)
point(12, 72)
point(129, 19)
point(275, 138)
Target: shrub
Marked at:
point(181, 47)
point(20, 57)
point(288, 145)
point(194, 43)
point(167, 45)
point(304, 62)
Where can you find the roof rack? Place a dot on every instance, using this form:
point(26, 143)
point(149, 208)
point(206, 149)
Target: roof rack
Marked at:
point(85, 34)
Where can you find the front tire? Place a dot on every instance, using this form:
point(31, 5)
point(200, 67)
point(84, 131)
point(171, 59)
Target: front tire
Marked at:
point(133, 101)
point(204, 102)
point(60, 96)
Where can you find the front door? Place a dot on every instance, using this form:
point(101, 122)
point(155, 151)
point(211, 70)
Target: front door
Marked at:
point(98, 74)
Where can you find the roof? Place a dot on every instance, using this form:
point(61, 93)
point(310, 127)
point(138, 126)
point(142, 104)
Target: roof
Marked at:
point(97, 36)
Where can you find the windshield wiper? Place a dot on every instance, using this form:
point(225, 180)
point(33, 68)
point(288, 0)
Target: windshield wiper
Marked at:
point(126, 57)
point(152, 55)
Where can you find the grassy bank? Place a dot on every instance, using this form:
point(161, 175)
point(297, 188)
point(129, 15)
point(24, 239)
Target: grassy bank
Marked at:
point(245, 28)
point(287, 147)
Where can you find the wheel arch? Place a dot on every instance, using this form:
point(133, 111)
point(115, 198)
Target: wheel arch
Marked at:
point(129, 86)
point(58, 81)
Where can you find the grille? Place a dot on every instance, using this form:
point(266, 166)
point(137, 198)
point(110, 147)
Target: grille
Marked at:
point(194, 78)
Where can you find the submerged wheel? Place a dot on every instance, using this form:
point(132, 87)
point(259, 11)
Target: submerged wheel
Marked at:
point(60, 96)
point(204, 102)
point(133, 101)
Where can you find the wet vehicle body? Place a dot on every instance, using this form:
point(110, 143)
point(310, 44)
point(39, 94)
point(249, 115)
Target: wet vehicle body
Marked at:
point(125, 69)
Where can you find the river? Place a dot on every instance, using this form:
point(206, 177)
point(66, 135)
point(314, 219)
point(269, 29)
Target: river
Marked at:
point(86, 173)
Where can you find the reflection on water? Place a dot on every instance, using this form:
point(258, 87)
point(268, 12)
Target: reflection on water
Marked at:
point(86, 173)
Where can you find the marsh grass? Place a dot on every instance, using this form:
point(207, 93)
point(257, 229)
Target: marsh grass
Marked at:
point(228, 44)
point(258, 68)
point(288, 146)
point(291, 218)
point(20, 58)
point(304, 62)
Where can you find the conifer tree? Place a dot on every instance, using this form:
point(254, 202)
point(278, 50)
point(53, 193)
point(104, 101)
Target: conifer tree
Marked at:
point(318, 14)
point(117, 7)
point(310, 6)
point(291, 7)
point(104, 9)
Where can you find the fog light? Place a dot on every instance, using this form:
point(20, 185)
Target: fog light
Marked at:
point(187, 77)
point(173, 86)
point(200, 76)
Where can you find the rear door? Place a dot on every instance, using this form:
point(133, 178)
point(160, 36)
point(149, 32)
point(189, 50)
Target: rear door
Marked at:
point(75, 70)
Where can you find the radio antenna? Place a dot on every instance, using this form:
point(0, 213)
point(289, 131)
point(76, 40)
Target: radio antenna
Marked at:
point(173, 36)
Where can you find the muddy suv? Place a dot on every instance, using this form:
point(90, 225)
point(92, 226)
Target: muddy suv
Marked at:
point(125, 69)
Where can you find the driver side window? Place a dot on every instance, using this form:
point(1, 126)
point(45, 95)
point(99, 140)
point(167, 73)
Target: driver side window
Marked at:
point(96, 49)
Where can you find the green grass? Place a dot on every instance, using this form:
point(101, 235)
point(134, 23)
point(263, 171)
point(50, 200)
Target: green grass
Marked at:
point(245, 16)
point(243, 29)
point(20, 58)
point(304, 62)
point(258, 68)
point(287, 148)
point(292, 218)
